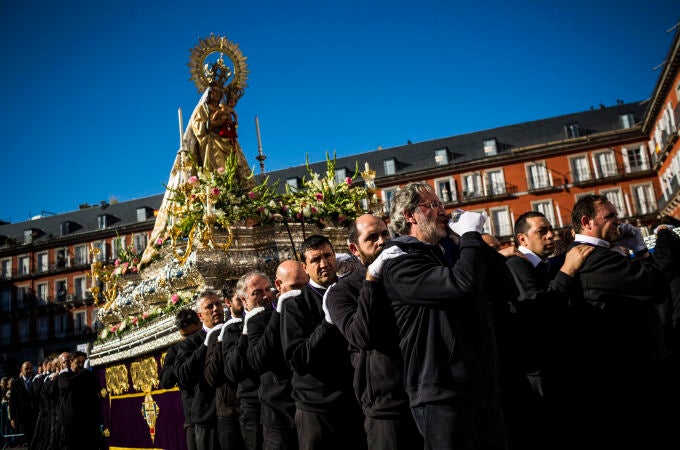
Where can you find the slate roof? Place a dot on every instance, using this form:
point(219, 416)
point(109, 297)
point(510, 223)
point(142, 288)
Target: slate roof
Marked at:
point(83, 220)
point(469, 147)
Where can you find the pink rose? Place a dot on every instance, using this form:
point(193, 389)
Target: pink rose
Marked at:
point(134, 269)
point(114, 329)
point(159, 241)
point(314, 210)
point(193, 179)
point(348, 180)
point(216, 191)
point(220, 170)
point(174, 299)
point(251, 195)
point(134, 321)
point(116, 262)
point(299, 215)
point(135, 260)
point(319, 196)
point(284, 207)
point(145, 315)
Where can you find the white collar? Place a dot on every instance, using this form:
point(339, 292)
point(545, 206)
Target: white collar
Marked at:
point(591, 240)
point(533, 258)
point(317, 285)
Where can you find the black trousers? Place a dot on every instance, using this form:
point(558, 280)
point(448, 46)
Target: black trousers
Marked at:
point(206, 438)
point(251, 430)
point(339, 431)
point(229, 433)
point(279, 438)
point(392, 434)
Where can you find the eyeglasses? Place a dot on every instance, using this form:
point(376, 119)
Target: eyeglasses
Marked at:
point(434, 204)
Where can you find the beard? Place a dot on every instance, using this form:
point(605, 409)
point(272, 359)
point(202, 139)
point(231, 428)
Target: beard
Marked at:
point(429, 228)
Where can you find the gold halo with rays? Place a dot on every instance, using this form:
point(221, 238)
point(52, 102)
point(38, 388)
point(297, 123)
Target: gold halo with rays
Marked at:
point(214, 44)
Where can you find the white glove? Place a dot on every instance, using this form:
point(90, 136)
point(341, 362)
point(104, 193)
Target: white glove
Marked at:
point(250, 314)
point(212, 331)
point(631, 238)
point(324, 305)
point(468, 221)
point(375, 269)
point(284, 296)
point(670, 228)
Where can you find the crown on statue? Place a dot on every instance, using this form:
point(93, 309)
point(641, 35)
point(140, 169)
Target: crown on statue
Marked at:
point(217, 73)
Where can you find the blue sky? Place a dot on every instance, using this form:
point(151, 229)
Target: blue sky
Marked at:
point(90, 89)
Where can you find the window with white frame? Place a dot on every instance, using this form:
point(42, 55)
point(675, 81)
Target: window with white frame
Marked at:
point(472, 185)
point(79, 322)
point(387, 195)
point(43, 262)
point(42, 292)
point(24, 328)
point(5, 333)
point(6, 268)
point(635, 159)
point(101, 255)
point(103, 221)
point(604, 164)
point(81, 255)
point(5, 299)
point(626, 120)
point(63, 258)
point(390, 166)
point(580, 170)
point(643, 198)
point(143, 214)
point(80, 284)
point(537, 176)
point(43, 327)
point(446, 189)
point(340, 175)
point(28, 236)
point(500, 222)
point(60, 324)
point(545, 207)
point(23, 295)
point(495, 182)
point(293, 183)
point(24, 265)
point(572, 130)
point(140, 242)
point(616, 198)
point(441, 156)
point(60, 290)
point(117, 245)
point(490, 147)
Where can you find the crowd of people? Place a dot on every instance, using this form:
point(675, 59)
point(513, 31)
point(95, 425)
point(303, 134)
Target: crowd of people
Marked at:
point(57, 408)
point(437, 339)
point(432, 336)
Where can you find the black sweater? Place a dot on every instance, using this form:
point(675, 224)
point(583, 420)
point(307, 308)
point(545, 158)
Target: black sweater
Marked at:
point(237, 369)
point(265, 356)
point(318, 355)
point(363, 314)
point(190, 370)
point(444, 318)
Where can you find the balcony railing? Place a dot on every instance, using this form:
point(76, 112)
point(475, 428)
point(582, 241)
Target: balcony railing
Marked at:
point(542, 186)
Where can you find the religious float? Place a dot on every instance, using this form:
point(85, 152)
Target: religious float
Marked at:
point(217, 222)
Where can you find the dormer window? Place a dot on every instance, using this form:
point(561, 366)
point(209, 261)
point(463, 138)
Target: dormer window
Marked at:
point(441, 157)
point(390, 166)
point(490, 147)
point(28, 236)
point(144, 213)
point(340, 175)
point(293, 182)
point(103, 221)
point(572, 130)
point(626, 120)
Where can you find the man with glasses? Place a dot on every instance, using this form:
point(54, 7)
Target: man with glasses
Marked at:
point(442, 304)
point(189, 367)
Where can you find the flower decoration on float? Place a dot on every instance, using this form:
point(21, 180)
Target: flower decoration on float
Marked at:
point(130, 323)
point(218, 200)
point(327, 201)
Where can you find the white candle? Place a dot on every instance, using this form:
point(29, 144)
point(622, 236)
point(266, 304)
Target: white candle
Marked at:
point(366, 166)
point(181, 125)
point(208, 204)
point(259, 139)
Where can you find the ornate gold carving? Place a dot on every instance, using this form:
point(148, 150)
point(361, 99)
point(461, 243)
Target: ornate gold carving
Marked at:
point(217, 44)
point(117, 379)
point(144, 374)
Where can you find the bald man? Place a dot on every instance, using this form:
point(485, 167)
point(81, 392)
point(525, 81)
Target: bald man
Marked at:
point(22, 403)
point(290, 275)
